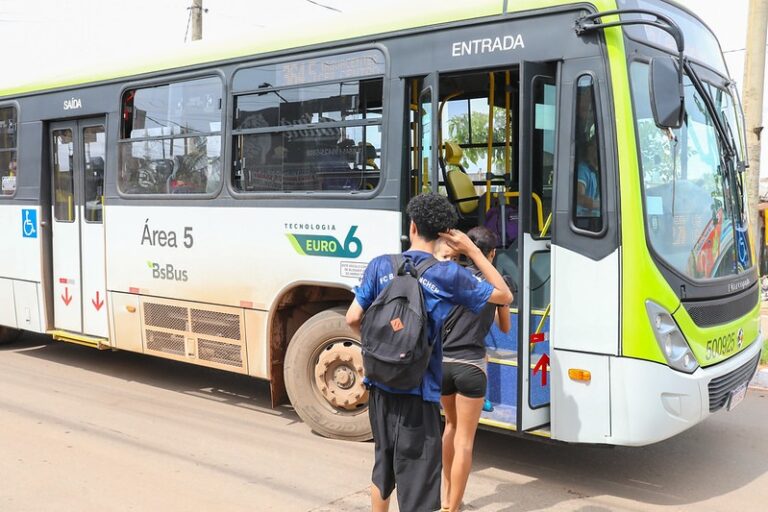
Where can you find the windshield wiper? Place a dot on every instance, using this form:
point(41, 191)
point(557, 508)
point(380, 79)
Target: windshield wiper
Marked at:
point(726, 142)
point(698, 84)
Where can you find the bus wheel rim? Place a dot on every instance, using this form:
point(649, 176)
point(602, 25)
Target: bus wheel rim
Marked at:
point(339, 375)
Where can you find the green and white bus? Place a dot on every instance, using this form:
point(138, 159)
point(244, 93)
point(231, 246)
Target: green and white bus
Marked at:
point(219, 208)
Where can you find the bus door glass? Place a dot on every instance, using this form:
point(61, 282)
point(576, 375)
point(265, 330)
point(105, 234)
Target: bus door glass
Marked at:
point(78, 151)
point(421, 177)
point(538, 120)
point(428, 133)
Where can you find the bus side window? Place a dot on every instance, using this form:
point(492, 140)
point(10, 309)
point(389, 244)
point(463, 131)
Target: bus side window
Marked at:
point(587, 187)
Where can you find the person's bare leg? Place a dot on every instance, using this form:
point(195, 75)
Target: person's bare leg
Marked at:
point(467, 416)
point(449, 409)
point(378, 504)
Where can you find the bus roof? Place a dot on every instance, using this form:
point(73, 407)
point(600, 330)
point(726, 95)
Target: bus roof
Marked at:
point(358, 20)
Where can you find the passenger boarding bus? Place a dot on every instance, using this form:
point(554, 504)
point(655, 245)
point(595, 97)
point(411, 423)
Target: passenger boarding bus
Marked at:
point(219, 211)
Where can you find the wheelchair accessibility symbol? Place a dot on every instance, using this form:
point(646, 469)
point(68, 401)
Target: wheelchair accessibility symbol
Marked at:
point(29, 223)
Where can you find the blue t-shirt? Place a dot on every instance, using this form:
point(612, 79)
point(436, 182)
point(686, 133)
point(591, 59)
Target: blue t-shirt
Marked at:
point(587, 176)
point(445, 284)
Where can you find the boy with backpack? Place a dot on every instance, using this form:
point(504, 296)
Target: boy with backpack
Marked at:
point(402, 353)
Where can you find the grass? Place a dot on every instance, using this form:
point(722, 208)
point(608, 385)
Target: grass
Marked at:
point(764, 355)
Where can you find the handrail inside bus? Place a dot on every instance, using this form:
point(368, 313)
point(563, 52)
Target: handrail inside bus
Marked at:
point(546, 225)
point(491, 99)
point(543, 317)
point(539, 207)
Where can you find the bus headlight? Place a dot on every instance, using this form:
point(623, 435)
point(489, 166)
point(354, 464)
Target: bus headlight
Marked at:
point(671, 341)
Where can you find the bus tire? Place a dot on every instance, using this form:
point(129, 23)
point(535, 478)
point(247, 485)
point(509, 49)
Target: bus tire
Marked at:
point(8, 334)
point(324, 377)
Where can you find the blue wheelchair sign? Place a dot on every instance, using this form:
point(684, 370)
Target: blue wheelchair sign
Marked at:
point(29, 223)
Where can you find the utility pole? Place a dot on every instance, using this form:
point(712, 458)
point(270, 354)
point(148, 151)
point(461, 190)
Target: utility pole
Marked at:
point(754, 78)
point(197, 19)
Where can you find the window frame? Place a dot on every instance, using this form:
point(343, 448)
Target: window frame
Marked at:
point(15, 106)
point(573, 172)
point(383, 121)
point(73, 189)
point(83, 128)
point(156, 82)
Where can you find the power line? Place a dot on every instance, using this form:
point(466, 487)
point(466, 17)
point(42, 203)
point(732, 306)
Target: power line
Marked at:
point(324, 6)
point(739, 50)
point(189, 18)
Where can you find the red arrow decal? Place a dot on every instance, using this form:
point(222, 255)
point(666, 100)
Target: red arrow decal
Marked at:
point(67, 298)
point(96, 302)
point(542, 367)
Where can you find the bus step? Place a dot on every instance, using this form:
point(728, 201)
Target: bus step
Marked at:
point(81, 339)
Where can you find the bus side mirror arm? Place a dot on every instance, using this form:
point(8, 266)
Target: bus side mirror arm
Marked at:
point(667, 97)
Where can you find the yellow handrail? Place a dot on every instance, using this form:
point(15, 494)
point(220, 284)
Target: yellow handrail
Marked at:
point(539, 207)
point(539, 210)
point(546, 226)
point(440, 118)
point(415, 136)
point(491, 98)
point(543, 317)
point(507, 128)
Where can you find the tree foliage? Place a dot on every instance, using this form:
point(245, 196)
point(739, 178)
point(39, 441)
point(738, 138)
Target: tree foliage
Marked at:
point(459, 131)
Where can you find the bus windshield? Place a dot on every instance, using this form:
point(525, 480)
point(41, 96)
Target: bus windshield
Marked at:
point(693, 202)
point(700, 43)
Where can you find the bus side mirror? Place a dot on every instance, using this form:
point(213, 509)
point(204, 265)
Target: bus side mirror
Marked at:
point(666, 90)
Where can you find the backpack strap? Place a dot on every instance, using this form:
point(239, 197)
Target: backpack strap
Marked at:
point(425, 265)
point(398, 263)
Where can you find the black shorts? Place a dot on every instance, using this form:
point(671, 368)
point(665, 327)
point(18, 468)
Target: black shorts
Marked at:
point(408, 449)
point(465, 379)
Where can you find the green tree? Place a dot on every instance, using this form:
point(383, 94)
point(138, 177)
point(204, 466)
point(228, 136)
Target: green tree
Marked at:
point(459, 131)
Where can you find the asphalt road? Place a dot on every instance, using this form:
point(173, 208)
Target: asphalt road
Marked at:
point(83, 430)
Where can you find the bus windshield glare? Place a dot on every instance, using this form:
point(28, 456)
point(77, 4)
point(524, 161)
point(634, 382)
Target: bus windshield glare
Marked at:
point(693, 205)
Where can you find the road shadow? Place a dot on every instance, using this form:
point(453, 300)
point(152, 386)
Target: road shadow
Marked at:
point(716, 457)
point(218, 385)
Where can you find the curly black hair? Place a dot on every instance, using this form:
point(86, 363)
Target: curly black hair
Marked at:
point(432, 214)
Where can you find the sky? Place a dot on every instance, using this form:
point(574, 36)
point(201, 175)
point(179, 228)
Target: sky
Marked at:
point(45, 37)
point(52, 36)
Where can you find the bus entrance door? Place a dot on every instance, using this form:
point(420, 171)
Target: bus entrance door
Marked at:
point(538, 116)
point(78, 150)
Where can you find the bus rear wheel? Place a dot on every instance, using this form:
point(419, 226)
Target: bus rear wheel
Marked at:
point(8, 334)
point(324, 377)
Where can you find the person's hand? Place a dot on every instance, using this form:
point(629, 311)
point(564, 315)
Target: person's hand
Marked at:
point(459, 241)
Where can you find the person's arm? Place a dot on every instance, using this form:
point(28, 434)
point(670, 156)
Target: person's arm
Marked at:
point(461, 242)
point(502, 318)
point(355, 316)
point(582, 199)
point(365, 293)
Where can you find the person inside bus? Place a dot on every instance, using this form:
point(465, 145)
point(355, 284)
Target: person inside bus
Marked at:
point(444, 252)
point(588, 180)
point(406, 423)
point(465, 376)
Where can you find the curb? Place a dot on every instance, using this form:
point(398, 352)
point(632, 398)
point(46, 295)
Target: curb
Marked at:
point(760, 380)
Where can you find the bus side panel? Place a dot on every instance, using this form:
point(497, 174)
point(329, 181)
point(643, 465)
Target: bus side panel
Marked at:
point(257, 350)
point(21, 252)
point(21, 267)
point(240, 256)
point(585, 302)
point(581, 411)
point(28, 312)
point(7, 304)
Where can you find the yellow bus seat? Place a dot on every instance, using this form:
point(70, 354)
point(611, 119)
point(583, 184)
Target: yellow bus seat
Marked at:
point(459, 185)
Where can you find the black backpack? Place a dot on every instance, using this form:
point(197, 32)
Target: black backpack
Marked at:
point(394, 330)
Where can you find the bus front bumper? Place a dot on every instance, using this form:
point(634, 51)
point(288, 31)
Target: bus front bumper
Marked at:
point(651, 402)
